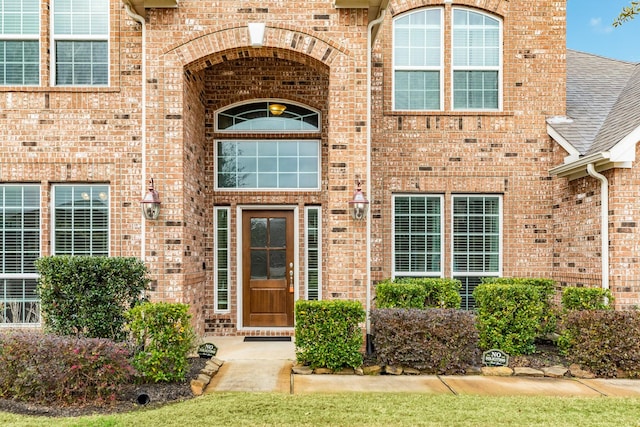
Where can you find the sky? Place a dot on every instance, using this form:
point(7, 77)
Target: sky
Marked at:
point(589, 29)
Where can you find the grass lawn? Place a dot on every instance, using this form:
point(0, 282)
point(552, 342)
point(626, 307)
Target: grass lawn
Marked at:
point(364, 409)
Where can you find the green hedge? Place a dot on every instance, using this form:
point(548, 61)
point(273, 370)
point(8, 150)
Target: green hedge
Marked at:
point(87, 296)
point(509, 316)
point(574, 298)
point(391, 294)
point(418, 292)
point(328, 333)
point(546, 288)
point(435, 341)
point(604, 341)
point(164, 337)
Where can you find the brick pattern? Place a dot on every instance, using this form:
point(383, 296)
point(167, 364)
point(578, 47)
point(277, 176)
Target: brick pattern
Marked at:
point(198, 60)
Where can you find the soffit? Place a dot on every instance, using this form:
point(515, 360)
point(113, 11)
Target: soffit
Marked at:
point(374, 6)
point(141, 5)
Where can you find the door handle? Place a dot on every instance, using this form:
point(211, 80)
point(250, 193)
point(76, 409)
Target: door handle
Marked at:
point(291, 284)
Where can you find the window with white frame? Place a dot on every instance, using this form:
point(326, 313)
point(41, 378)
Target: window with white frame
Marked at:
point(80, 42)
point(20, 247)
point(417, 235)
point(313, 252)
point(419, 58)
point(19, 42)
point(477, 241)
point(268, 161)
point(221, 261)
point(476, 60)
point(81, 220)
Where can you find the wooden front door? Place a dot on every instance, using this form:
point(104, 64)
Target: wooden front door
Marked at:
point(267, 268)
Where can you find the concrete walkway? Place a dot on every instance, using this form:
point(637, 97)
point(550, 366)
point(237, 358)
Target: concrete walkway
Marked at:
point(266, 367)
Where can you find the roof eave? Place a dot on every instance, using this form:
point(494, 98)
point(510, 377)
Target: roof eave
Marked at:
point(140, 6)
point(574, 154)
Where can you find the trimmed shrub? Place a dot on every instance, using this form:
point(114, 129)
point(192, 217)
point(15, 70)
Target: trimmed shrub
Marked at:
point(439, 292)
point(546, 287)
point(418, 292)
point(604, 341)
point(87, 296)
point(574, 298)
point(328, 333)
point(435, 341)
point(509, 316)
point(396, 294)
point(164, 337)
point(62, 370)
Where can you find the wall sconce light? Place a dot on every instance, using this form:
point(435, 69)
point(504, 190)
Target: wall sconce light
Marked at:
point(151, 203)
point(358, 206)
point(256, 33)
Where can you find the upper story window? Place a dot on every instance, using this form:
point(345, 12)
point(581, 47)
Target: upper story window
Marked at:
point(80, 43)
point(476, 61)
point(268, 162)
point(19, 42)
point(268, 116)
point(417, 60)
point(473, 61)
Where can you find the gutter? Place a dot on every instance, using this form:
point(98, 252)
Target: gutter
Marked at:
point(604, 222)
point(370, 40)
point(133, 15)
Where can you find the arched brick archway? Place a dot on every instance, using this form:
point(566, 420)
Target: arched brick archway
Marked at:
point(179, 148)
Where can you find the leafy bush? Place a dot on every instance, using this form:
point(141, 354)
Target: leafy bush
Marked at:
point(418, 292)
point(435, 341)
point(509, 316)
point(328, 333)
point(393, 294)
point(63, 370)
point(603, 341)
point(546, 288)
point(87, 296)
point(587, 299)
point(164, 337)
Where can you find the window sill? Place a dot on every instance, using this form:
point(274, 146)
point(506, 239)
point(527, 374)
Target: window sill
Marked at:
point(450, 113)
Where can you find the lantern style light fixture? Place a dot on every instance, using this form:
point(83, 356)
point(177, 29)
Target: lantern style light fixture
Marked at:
point(151, 203)
point(358, 206)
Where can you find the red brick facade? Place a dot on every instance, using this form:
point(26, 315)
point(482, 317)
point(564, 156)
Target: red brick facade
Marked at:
point(198, 59)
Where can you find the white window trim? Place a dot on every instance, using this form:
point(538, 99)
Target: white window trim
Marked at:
point(52, 210)
point(26, 275)
point(26, 37)
point(78, 37)
point(498, 68)
point(306, 251)
point(498, 273)
point(272, 101)
point(216, 260)
point(395, 273)
point(409, 68)
point(268, 189)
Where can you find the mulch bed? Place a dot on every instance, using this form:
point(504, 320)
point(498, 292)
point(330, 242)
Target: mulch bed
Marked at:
point(159, 395)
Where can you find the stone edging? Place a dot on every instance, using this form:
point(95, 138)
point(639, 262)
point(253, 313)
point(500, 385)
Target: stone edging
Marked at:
point(557, 371)
point(209, 371)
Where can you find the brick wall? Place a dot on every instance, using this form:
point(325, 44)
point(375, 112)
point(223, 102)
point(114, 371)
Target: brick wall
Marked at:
point(198, 60)
point(506, 152)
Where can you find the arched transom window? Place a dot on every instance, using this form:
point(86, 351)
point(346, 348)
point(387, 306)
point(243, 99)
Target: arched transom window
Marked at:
point(272, 160)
